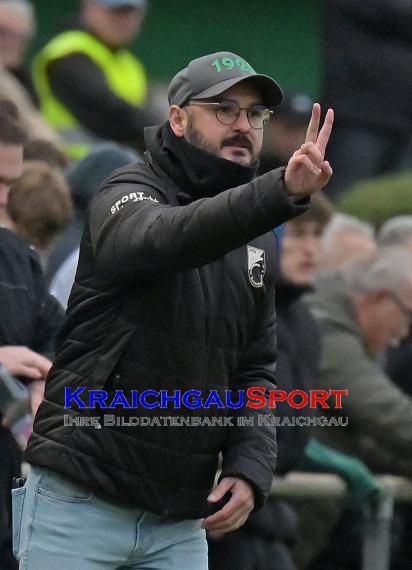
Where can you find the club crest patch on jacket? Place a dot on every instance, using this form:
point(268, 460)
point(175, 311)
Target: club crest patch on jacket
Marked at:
point(256, 262)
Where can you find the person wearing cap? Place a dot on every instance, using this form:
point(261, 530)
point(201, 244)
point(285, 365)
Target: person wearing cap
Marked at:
point(172, 305)
point(90, 87)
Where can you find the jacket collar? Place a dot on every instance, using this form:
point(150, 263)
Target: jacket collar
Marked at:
point(196, 173)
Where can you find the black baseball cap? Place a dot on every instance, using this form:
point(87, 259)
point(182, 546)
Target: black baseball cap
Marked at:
point(212, 74)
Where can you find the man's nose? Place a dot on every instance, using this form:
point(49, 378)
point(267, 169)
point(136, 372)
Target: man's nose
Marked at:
point(242, 122)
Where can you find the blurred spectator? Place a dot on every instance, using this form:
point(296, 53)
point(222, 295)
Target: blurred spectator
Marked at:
point(84, 179)
point(34, 124)
point(17, 27)
point(90, 87)
point(361, 311)
point(298, 340)
point(398, 232)
point(40, 206)
point(344, 239)
point(300, 240)
point(46, 151)
point(368, 82)
point(29, 317)
point(286, 131)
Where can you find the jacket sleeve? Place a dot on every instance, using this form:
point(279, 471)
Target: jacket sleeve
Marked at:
point(137, 237)
point(250, 450)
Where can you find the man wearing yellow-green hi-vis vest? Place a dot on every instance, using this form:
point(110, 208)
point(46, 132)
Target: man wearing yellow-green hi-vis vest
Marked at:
point(90, 87)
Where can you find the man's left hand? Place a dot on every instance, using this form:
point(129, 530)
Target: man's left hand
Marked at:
point(236, 511)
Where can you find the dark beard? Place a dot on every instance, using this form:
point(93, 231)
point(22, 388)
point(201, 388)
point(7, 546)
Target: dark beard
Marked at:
point(196, 139)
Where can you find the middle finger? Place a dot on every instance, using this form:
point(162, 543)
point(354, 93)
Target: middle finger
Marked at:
point(325, 132)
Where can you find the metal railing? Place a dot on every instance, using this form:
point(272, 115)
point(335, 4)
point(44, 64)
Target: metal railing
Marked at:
point(378, 514)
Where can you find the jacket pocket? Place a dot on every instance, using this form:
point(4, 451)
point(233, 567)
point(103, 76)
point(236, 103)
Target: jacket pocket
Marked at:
point(17, 501)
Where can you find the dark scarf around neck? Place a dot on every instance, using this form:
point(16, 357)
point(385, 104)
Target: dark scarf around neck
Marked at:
point(195, 171)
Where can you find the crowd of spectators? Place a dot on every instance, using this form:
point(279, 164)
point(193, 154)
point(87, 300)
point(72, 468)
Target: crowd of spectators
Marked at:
point(344, 290)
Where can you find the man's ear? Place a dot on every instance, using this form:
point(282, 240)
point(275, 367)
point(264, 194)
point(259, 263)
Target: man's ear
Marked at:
point(178, 120)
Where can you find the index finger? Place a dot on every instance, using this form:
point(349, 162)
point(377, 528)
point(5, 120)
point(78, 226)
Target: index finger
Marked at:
point(313, 127)
point(325, 131)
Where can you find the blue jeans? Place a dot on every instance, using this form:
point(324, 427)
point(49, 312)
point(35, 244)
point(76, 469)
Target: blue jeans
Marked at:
point(58, 525)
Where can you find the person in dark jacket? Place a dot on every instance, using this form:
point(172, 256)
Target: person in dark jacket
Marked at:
point(174, 294)
point(29, 317)
point(367, 79)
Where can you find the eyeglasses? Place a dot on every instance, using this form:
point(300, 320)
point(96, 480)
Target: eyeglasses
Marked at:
point(227, 112)
point(401, 305)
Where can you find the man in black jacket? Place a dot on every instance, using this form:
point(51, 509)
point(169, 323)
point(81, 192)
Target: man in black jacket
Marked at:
point(173, 301)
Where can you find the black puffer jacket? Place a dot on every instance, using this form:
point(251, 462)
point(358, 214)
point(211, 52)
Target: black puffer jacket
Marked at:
point(163, 300)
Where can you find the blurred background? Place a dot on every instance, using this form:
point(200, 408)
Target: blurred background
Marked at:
point(176, 31)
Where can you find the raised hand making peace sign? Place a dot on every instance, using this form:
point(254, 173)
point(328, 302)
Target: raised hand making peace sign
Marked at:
point(307, 171)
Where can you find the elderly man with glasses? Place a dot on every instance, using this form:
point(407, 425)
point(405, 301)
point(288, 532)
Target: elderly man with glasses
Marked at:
point(362, 311)
point(174, 292)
